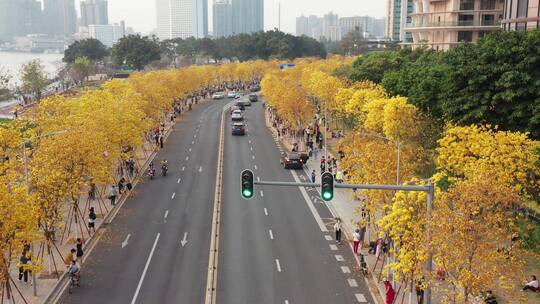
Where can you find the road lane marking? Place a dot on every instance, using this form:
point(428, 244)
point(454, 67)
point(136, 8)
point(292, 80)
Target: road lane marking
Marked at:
point(125, 242)
point(253, 156)
point(189, 149)
point(192, 142)
point(256, 167)
point(258, 179)
point(183, 242)
point(195, 136)
point(286, 301)
point(265, 212)
point(200, 169)
point(134, 300)
point(278, 266)
point(251, 148)
point(328, 237)
point(345, 269)
point(360, 298)
point(166, 214)
point(333, 247)
point(310, 205)
point(271, 234)
point(173, 195)
point(183, 168)
point(262, 194)
point(187, 157)
point(339, 258)
point(178, 182)
point(352, 282)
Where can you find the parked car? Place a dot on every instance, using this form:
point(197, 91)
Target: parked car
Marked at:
point(253, 97)
point(291, 161)
point(237, 115)
point(238, 128)
point(255, 88)
point(218, 95)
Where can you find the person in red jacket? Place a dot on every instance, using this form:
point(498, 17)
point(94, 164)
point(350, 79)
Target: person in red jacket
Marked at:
point(390, 294)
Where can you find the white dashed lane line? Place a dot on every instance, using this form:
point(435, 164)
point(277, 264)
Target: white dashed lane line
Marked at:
point(183, 168)
point(328, 237)
point(262, 194)
point(339, 258)
point(352, 282)
point(360, 298)
point(333, 247)
point(173, 195)
point(278, 266)
point(271, 234)
point(179, 180)
point(166, 214)
point(200, 169)
point(253, 156)
point(265, 212)
point(345, 269)
point(256, 167)
point(258, 179)
point(187, 157)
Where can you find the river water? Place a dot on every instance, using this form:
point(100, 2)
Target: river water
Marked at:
point(12, 62)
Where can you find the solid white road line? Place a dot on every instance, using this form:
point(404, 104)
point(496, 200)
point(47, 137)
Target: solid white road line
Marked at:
point(328, 237)
point(178, 182)
point(333, 247)
point(271, 234)
point(339, 258)
point(265, 212)
point(360, 298)
point(134, 300)
point(345, 269)
point(352, 282)
point(262, 194)
point(311, 207)
point(278, 266)
point(166, 214)
point(173, 195)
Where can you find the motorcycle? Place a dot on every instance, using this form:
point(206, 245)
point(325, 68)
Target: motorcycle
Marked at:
point(151, 172)
point(164, 169)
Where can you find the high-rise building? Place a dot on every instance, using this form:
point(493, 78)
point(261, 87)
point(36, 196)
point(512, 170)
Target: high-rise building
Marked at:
point(445, 24)
point(20, 18)
point(379, 28)
point(222, 19)
point(398, 15)
point(302, 26)
point(108, 34)
point(350, 24)
point(60, 17)
point(330, 27)
point(94, 12)
point(521, 15)
point(182, 18)
point(248, 16)
point(315, 27)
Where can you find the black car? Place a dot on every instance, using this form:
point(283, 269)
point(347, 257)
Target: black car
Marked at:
point(291, 161)
point(238, 128)
point(240, 105)
point(253, 97)
point(255, 88)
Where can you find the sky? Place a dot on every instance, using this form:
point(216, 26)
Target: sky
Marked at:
point(141, 14)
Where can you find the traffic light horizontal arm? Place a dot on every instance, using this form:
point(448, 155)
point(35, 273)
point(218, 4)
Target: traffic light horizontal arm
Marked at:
point(349, 186)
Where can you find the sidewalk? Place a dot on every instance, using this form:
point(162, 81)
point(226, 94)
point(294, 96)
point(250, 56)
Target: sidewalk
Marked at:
point(49, 282)
point(345, 206)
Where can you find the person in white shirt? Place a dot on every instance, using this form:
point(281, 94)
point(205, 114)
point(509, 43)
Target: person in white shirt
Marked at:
point(532, 285)
point(356, 240)
point(337, 229)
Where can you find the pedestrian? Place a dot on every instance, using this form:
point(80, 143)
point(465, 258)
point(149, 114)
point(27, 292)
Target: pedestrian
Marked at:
point(337, 230)
point(323, 164)
point(24, 260)
point(121, 185)
point(356, 240)
point(313, 175)
point(80, 251)
point(92, 192)
point(92, 220)
point(390, 294)
point(71, 256)
point(161, 140)
point(113, 194)
point(532, 285)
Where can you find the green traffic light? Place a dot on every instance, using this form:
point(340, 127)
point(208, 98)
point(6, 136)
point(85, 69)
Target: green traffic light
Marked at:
point(327, 196)
point(247, 193)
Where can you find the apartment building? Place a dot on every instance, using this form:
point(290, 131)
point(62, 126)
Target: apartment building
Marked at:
point(443, 24)
point(521, 15)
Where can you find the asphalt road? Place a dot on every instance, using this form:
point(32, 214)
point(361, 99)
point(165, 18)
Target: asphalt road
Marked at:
point(275, 248)
point(175, 273)
point(272, 249)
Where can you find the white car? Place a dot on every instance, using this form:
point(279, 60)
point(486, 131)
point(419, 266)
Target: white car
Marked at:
point(237, 115)
point(231, 94)
point(237, 96)
point(218, 95)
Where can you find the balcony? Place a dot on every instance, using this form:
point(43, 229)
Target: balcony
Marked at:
point(462, 24)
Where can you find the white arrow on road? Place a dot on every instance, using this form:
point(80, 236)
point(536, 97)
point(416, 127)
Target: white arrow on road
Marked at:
point(184, 240)
point(124, 243)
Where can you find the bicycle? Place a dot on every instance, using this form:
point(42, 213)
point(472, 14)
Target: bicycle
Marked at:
point(74, 280)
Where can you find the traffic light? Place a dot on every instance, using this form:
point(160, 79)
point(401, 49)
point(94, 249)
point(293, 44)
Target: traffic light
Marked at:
point(327, 186)
point(247, 184)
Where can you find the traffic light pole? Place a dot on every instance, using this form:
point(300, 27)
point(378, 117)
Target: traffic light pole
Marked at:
point(429, 189)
